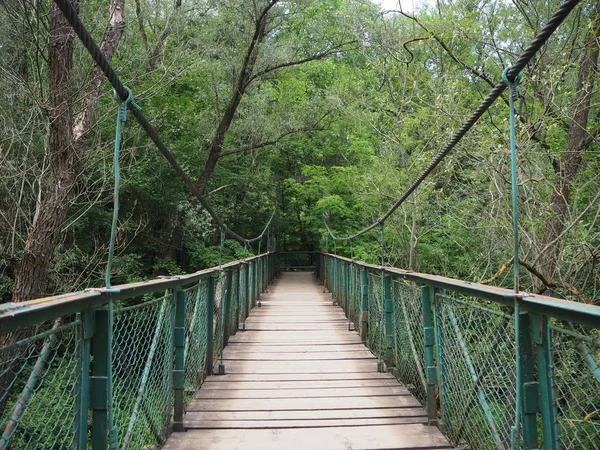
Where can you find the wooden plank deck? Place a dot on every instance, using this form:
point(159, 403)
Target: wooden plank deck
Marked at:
point(298, 379)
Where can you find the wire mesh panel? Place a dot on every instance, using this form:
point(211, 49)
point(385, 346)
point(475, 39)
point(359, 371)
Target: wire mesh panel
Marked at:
point(219, 312)
point(142, 361)
point(195, 339)
point(243, 299)
point(576, 374)
point(376, 333)
point(234, 303)
point(39, 386)
point(354, 296)
point(478, 371)
point(408, 337)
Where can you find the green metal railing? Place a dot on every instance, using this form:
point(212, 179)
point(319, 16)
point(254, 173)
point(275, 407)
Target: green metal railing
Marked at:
point(132, 356)
point(453, 343)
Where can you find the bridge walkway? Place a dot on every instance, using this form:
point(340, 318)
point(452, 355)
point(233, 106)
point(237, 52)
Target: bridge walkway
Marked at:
point(298, 378)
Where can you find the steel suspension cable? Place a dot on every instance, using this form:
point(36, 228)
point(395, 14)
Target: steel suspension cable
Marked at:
point(559, 16)
point(89, 43)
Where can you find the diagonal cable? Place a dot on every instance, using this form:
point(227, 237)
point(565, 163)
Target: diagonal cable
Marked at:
point(88, 42)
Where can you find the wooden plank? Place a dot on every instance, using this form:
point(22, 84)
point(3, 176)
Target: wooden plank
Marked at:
point(302, 393)
point(312, 356)
point(239, 347)
point(309, 423)
point(282, 404)
point(410, 436)
point(346, 384)
point(325, 414)
point(371, 375)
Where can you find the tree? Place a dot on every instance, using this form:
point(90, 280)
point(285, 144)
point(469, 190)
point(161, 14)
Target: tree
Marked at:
point(67, 138)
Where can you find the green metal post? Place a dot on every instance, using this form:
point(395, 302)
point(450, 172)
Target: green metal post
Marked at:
point(364, 306)
point(389, 312)
point(238, 299)
point(346, 291)
point(210, 311)
point(427, 294)
point(227, 321)
point(85, 334)
point(265, 272)
point(439, 355)
point(254, 277)
point(99, 380)
point(247, 294)
point(529, 388)
point(179, 367)
point(541, 335)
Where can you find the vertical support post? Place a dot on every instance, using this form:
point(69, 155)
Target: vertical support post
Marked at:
point(210, 312)
point(439, 356)
point(238, 274)
point(179, 366)
point(364, 306)
point(388, 306)
point(85, 334)
point(347, 289)
point(227, 321)
point(529, 388)
point(264, 273)
point(99, 381)
point(247, 290)
point(540, 332)
point(343, 286)
point(254, 277)
point(427, 294)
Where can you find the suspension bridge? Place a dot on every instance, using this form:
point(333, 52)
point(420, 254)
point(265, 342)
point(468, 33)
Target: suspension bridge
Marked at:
point(308, 349)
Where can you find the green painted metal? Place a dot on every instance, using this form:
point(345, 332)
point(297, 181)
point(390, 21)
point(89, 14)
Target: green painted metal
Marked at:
point(475, 379)
point(528, 386)
point(210, 337)
point(179, 339)
point(580, 313)
point(540, 333)
point(228, 294)
point(142, 359)
point(427, 295)
point(85, 334)
point(364, 306)
point(145, 375)
point(438, 331)
point(99, 392)
point(389, 312)
point(467, 345)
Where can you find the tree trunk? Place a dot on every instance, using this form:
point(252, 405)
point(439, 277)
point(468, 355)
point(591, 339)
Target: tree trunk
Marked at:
point(66, 148)
point(572, 159)
point(239, 89)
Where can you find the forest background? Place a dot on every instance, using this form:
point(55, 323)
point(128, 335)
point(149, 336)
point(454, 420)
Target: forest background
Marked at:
point(326, 108)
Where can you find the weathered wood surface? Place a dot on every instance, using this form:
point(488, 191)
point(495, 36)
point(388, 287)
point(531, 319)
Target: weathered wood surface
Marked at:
point(298, 379)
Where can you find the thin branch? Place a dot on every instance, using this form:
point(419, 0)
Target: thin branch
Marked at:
point(319, 55)
point(247, 148)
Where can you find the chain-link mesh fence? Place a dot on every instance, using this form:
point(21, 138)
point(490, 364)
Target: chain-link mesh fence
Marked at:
point(195, 339)
point(39, 369)
point(46, 370)
point(234, 302)
point(142, 359)
point(408, 338)
point(376, 333)
point(478, 372)
point(354, 295)
point(576, 375)
point(475, 361)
